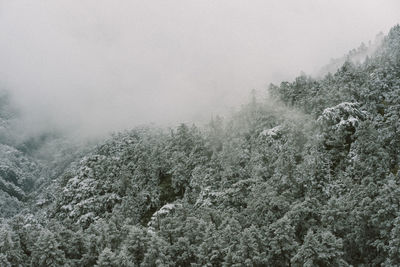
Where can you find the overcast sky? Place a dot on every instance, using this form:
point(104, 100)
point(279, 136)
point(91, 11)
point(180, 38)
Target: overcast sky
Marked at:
point(98, 66)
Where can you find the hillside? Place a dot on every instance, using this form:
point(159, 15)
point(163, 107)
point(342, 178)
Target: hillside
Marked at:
point(307, 176)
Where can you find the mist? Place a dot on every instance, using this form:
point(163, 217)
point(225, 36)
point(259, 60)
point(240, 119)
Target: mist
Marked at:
point(95, 66)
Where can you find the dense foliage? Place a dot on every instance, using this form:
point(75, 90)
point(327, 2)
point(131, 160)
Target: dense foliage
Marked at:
point(308, 176)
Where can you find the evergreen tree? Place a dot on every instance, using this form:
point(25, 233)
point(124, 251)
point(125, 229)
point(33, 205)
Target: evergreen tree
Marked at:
point(47, 251)
point(107, 258)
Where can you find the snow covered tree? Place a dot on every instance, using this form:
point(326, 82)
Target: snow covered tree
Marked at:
point(107, 258)
point(320, 248)
point(47, 251)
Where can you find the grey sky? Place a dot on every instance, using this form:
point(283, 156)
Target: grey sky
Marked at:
point(98, 66)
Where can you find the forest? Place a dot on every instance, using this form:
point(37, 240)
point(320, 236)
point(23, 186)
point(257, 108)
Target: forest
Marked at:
point(307, 173)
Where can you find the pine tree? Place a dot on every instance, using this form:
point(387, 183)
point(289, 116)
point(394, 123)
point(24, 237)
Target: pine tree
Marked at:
point(320, 248)
point(107, 258)
point(47, 251)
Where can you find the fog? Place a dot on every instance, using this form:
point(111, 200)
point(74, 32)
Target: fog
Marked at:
point(95, 66)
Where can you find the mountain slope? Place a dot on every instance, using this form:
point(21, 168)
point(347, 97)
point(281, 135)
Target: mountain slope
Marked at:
point(307, 177)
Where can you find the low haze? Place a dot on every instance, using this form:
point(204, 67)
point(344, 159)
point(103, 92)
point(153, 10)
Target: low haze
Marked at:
point(100, 66)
